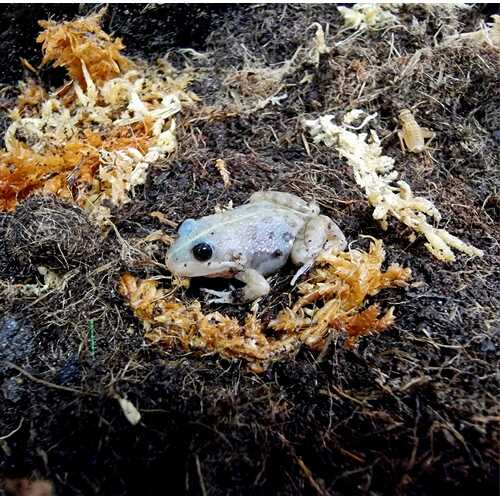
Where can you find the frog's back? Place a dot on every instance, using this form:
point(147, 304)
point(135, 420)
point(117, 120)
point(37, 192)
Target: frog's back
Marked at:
point(262, 213)
point(259, 234)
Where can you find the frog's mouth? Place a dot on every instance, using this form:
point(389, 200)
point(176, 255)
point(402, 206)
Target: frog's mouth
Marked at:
point(222, 274)
point(202, 269)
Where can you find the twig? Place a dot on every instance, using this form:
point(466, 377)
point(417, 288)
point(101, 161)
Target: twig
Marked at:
point(347, 396)
point(7, 436)
point(200, 476)
point(48, 384)
point(310, 478)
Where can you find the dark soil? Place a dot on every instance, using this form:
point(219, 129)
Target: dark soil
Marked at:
point(411, 411)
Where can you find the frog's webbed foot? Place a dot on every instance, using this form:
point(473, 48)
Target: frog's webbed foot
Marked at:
point(255, 286)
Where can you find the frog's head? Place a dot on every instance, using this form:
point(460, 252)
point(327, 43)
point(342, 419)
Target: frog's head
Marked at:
point(196, 253)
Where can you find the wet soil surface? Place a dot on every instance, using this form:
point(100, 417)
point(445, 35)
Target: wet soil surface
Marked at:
point(411, 411)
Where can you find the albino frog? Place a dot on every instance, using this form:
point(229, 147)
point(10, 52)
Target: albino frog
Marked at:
point(251, 241)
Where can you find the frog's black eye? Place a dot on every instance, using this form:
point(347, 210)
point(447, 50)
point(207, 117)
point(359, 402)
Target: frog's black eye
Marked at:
point(202, 251)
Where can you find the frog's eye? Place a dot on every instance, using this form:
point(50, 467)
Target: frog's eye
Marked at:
point(186, 227)
point(202, 251)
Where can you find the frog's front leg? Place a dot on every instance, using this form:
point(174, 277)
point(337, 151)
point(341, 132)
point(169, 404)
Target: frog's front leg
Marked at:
point(318, 232)
point(255, 286)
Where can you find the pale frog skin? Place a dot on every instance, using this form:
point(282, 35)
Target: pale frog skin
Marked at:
point(252, 241)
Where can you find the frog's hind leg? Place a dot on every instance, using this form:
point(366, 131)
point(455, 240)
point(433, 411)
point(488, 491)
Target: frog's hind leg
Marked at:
point(285, 200)
point(255, 286)
point(318, 233)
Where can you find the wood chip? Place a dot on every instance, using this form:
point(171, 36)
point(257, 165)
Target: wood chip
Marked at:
point(130, 411)
point(224, 172)
point(163, 218)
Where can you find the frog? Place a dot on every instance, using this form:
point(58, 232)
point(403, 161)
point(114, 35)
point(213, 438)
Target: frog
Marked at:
point(252, 241)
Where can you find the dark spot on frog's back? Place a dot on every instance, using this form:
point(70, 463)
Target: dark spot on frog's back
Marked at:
point(287, 236)
point(277, 253)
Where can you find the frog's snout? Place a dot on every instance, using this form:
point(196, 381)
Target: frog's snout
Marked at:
point(176, 264)
point(170, 262)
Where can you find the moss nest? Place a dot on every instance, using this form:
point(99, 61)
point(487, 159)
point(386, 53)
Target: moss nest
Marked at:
point(48, 231)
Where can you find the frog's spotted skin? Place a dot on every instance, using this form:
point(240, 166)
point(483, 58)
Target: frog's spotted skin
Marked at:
point(252, 241)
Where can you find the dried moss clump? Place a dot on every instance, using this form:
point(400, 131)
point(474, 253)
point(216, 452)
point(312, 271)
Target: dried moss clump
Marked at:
point(83, 42)
point(375, 173)
point(45, 230)
point(93, 139)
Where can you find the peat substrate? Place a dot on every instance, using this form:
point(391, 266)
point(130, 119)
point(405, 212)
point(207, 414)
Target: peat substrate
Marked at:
point(412, 410)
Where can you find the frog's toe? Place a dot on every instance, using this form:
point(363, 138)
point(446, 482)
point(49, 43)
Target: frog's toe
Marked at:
point(303, 269)
point(219, 297)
